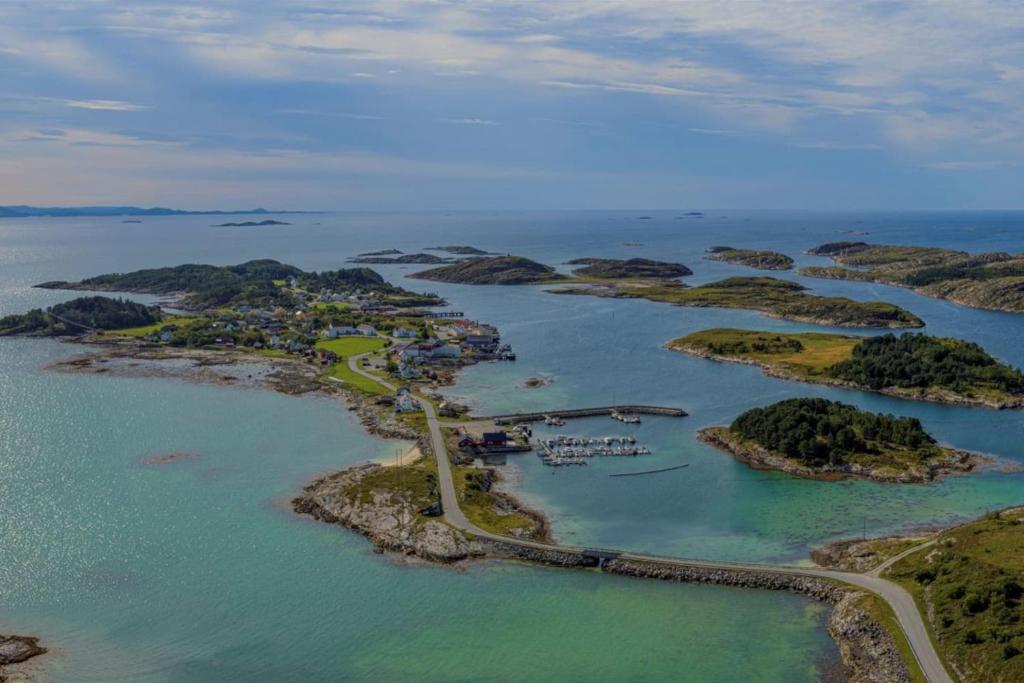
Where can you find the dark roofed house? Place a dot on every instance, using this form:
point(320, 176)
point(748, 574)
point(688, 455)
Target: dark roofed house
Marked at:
point(492, 439)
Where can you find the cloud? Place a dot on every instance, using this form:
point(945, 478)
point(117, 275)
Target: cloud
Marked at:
point(993, 165)
point(105, 105)
point(472, 122)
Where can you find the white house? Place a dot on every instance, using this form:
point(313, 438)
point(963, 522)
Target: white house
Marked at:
point(333, 332)
point(445, 351)
point(404, 333)
point(367, 330)
point(405, 403)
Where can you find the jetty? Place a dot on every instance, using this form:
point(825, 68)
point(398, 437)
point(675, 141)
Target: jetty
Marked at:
point(587, 412)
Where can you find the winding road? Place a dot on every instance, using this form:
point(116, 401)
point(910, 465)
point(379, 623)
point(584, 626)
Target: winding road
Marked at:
point(901, 602)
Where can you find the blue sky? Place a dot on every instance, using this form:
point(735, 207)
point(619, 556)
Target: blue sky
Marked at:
point(491, 104)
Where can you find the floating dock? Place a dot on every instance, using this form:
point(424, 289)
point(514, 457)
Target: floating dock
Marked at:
point(637, 474)
point(587, 412)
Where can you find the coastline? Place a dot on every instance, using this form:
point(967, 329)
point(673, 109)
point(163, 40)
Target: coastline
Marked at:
point(769, 370)
point(15, 651)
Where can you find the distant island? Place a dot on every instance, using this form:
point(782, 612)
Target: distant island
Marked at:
point(249, 224)
point(385, 252)
point(405, 258)
point(774, 297)
point(763, 260)
point(628, 268)
point(993, 281)
point(253, 283)
point(911, 366)
point(461, 250)
point(820, 439)
point(495, 270)
point(24, 211)
point(78, 316)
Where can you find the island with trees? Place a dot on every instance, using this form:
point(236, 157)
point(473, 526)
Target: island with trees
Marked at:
point(402, 259)
point(771, 296)
point(79, 316)
point(820, 439)
point(493, 270)
point(250, 224)
point(253, 283)
point(640, 268)
point(460, 250)
point(753, 258)
point(993, 281)
point(910, 366)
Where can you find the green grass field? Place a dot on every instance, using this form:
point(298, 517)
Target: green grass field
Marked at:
point(342, 372)
point(155, 327)
point(352, 346)
point(817, 351)
point(972, 582)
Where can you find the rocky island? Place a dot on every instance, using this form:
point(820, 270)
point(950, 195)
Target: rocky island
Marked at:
point(460, 249)
point(404, 258)
point(774, 297)
point(993, 281)
point(259, 283)
point(819, 439)
point(493, 270)
point(15, 650)
point(762, 260)
point(911, 366)
point(250, 224)
point(640, 268)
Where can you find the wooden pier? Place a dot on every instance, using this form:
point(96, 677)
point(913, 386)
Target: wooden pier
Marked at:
point(586, 412)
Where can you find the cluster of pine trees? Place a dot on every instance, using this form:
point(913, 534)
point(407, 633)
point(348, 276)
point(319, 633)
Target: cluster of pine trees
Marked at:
point(818, 432)
point(921, 361)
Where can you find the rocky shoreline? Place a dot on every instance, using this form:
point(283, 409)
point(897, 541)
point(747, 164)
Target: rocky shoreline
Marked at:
point(14, 650)
point(955, 462)
point(944, 397)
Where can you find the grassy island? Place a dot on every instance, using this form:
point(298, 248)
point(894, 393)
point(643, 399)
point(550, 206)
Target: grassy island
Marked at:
point(78, 316)
point(993, 280)
point(762, 260)
point(774, 297)
point(821, 439)
point(253, 283)
point(911, 366)
point(641, 268)
point(495, 270)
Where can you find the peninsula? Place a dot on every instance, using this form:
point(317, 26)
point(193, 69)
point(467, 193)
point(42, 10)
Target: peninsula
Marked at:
point(774, 297)
point(493, 270)
point(912, 366)
point(762, 260)
point(80, 315)
point(819, 439)
point(993, 281)
point(640, 268)
point(259, 283)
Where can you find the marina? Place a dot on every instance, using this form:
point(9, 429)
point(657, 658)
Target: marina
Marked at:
point(562, 450)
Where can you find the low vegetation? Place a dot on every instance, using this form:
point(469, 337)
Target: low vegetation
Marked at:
point(762, 260)
point(913, 366)
point(353, 345)
point(254, 283)
point(970, 584)
point(490, 510)
point(79, 316)
point(496, 270)
point(628, 268)
point(991, 280)
point(778, 298)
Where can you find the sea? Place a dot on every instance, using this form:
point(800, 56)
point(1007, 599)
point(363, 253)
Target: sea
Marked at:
point(197, 570)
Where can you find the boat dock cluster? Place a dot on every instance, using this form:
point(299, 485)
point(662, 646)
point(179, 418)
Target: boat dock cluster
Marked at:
point(572, 450)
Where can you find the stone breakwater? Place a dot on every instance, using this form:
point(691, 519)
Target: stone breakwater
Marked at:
point(953, 462)
point(869, 652)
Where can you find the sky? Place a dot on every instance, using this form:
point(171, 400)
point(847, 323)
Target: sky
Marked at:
point(387, 105)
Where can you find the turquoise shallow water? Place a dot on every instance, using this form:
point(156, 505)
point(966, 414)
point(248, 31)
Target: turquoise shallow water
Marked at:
point(195, 571)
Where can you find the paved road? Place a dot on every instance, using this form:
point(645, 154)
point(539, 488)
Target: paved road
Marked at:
point(899, 600)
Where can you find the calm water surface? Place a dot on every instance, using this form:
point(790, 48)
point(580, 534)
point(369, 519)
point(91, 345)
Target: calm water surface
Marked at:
point(196, 571)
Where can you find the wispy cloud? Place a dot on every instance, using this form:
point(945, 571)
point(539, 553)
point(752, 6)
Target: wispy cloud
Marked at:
point(993, 165)
point(471, 122)
point(105, 105)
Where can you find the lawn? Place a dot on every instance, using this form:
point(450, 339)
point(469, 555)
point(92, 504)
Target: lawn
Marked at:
point(352, 346)
point(808, 354)
point(155, 327)
point(971, 584)
point(342, 372)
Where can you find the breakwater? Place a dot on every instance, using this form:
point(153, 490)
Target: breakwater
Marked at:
point(587, 412)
